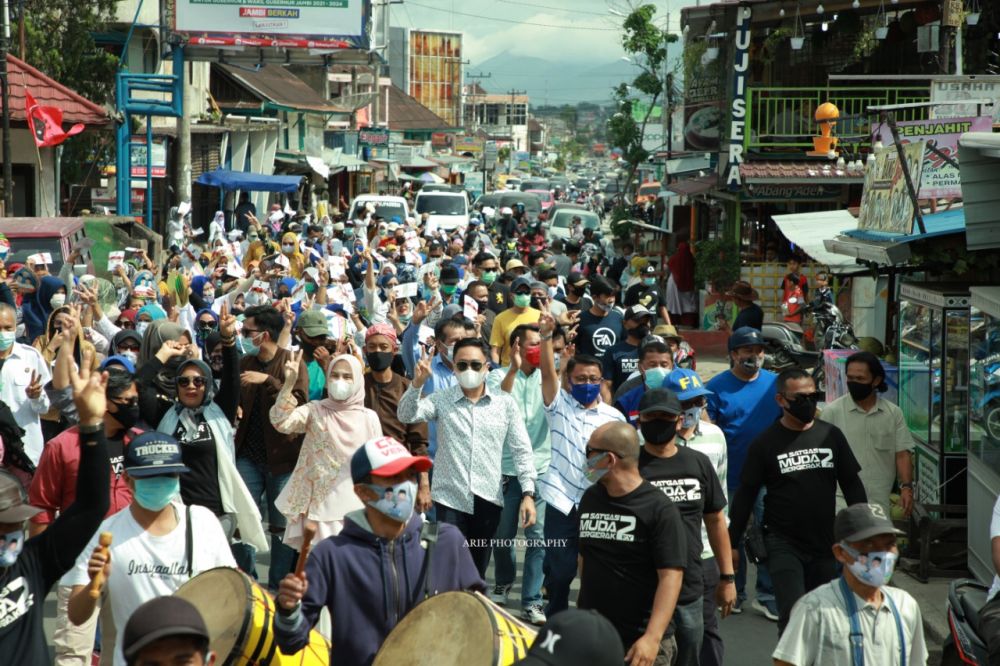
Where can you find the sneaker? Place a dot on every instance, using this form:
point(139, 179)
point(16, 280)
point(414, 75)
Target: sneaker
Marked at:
point(738, 606)
point(499, 594)
point(534, 613)
point(768, 609)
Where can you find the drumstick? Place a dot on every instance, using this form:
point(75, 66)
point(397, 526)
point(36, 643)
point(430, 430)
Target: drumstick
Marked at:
point(308, 532)
point(97, 582)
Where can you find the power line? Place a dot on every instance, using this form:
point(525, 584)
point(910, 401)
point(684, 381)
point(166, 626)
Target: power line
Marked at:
point(557, 9)
point(501, 20)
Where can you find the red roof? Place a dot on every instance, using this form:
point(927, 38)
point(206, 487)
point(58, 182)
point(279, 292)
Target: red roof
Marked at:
point(47, 92)
point(785, 172)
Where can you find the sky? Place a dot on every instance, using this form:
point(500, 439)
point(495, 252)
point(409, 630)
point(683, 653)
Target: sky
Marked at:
point(578, 31)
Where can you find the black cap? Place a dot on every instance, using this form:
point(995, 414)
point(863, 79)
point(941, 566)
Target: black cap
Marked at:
point(153, 454)
point(577, 279)
point(449, 275)
point(520, 281)
point(575, 636)
point(660, 400)
point(637, 311)
point(158, 618)
point(862, 521)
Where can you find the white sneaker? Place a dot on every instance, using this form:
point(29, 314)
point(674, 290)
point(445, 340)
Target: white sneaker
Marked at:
point(534, 614)
point(499, 594)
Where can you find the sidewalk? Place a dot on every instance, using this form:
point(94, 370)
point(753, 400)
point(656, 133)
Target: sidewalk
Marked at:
point(932, 597)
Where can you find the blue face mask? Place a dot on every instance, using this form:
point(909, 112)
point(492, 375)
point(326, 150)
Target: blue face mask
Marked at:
point(7, 340)
point(585, 393)
point(655, 377)
point(11, 545)
point(395, 502)
point(590, 468)
point(155, 492)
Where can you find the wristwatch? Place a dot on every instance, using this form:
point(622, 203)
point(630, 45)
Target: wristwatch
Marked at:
point(908, 484)
point(727, 578)
point(527, 495)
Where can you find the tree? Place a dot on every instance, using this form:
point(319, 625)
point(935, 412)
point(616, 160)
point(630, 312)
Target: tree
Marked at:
point(646, 45)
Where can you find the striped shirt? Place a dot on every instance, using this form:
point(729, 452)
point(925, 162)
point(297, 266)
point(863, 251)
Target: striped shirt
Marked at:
point(571, 425)
point(710, 440)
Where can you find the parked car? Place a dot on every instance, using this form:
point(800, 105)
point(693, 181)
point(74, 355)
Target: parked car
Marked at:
point(448, 210)
point(648, 191)
point(386, 207)
point(561, 216)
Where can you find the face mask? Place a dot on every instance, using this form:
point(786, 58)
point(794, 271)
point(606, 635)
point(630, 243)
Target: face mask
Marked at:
point(348, 232)
point(141, 326)
point(484, 305)
point(691, 417)
point(658, 431)
point(553, 291)
point(405, 319)
point(7, 340)
point(449, 289)
point(127, 414)
point(590, 470)
point(57, 301)
point(155, 492)
point(873, 568)
point(208, 296)
point(533, 355)
point(585, 394)
point(639, 332)
point(395, 502)
point(605, 307)
point(287, 249)
point(859, 391)
point(489, 277)
point(557, 359)
point(249, 347)
point(341, 389)
point(448, 351)
point(310, 288)
point(379, 361)
point(522, 300)
point(132, 356)
point(802, 408)
point(750, 365)
point(655, 376)
point(9, 555)
point(470, 379)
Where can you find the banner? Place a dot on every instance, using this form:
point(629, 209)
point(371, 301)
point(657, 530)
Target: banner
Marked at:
point(939, 179)
point(738, 100)
point(960, 88)
point(886, 204)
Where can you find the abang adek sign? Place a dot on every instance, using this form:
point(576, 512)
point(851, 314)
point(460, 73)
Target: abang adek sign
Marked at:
point(738, 105)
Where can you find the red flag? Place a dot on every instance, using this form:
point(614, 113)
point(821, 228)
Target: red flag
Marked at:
point(46, 123)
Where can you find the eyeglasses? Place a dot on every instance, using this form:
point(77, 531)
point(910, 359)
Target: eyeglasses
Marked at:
point(206, 324)
point(197, 382)
point(586, 380)
point(465, 365)
point(592, 452)
point(131, 348)
point(249, 332)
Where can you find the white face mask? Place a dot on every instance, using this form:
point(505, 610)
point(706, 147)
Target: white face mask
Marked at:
point(208, 296)
point(132, 356)
point(690, 417)
point(341, 389)
point(57, 301)
point(470, 379)
point(141, 326)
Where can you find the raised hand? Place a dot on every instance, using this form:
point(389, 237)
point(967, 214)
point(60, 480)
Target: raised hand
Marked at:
point(515, 355)
point(88, 390)
point(546, 324)
point(169, 349)
point(292, 368)
point(423, 370)
point(34, 389)
point(227, 322)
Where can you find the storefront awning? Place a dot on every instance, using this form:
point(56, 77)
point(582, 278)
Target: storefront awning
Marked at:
point(809, 230)
point(692, 186)
point(979, 162)
point(251, 182)
point(338, 160)
point(889, 249)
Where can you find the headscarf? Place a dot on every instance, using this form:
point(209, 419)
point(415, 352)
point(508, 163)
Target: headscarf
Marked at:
point(348, 416)
point(382, 329)
point(123, 335)
point(188, 416)
point(107, 295)
point(155, 312)
point(31, 313)
point(41, 343)
point(198, 283)
point(199, 336)
point(158, 332)
point(682, 267)
point(296, 260)
point(47, 288)
point(128, 314)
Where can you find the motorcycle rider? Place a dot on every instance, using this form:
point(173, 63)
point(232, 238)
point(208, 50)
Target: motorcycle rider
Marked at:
point(507, 225)
point(989, 616)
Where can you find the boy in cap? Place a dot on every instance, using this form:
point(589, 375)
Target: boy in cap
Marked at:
point(350, 573)
point(520, 312)
point(859, 602)
point(157, 543)
point(167, 630)
point(575, 637)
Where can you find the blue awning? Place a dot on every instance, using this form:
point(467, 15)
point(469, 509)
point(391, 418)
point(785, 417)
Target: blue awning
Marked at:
point(937, 224)
point(890, 249)
point(251, 182)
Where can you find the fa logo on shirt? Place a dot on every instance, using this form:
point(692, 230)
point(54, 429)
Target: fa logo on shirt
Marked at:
point(799, 461)
point(15, 601)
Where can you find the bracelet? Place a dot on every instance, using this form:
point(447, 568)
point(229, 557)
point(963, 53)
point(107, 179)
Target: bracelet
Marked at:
point(91, 428)
point(907, 485)
point(545, 337)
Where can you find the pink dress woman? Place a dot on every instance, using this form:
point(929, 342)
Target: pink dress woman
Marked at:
point(321, 488)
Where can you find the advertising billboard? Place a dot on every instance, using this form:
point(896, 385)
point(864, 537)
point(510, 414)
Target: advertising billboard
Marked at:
point(885, 203)
point(295, 24)
point(435, 72)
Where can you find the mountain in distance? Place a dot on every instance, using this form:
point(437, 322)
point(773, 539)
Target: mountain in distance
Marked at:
point(552, 82)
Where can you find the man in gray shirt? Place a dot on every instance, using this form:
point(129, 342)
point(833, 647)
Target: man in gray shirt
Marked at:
point(560, 262)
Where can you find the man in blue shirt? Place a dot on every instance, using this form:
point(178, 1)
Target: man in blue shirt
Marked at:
point(742, 404)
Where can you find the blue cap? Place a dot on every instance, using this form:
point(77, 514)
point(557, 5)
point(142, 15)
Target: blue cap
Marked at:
point(745, 336)
point(460, 260)
point(153, 454)
point(686, 384)
point(118, 360)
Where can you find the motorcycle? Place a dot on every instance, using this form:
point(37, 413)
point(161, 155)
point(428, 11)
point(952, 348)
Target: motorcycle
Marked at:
point(966, 644)
point(784, 347)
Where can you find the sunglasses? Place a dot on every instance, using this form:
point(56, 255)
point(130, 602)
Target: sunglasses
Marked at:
point(206, 324)
point(131, 348)
point(593, 452)
point(465, 365)
point(197, 382)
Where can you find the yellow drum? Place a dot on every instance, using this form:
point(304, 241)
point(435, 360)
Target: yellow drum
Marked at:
point(238, 614)
point(456, 628)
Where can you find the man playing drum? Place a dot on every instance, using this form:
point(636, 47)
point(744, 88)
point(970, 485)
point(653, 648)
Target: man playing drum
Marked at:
point(372, 573)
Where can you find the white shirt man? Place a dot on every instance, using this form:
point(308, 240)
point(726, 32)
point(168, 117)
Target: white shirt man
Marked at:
point(23, 373)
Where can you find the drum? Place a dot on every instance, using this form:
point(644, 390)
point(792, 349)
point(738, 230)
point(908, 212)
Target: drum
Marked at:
point(238, 614)
point(456, 628)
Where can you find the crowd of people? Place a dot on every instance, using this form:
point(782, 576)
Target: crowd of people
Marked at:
point(386, 392)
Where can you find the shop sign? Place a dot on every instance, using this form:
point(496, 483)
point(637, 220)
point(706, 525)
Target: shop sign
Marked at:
point(960, 88)
point(373, 137)
point(137, 152)
point(439, 139)
point(468, 145)
point(939, 179)
point(778, 192)
point(491, 153)
point(738, 103)
point(885, 203)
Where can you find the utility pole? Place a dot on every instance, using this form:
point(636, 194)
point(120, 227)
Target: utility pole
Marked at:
point(510, 123)
point(377, 69)
point(8, 173)
point(475, 109)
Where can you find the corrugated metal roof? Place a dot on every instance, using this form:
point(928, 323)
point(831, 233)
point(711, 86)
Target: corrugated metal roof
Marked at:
point(791, 172)
point(406, 113)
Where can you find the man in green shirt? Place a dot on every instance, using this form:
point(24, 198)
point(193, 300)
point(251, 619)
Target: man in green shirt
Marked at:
point(312, 331)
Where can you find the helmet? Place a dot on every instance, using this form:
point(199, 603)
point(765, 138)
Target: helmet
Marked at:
point(506, 211)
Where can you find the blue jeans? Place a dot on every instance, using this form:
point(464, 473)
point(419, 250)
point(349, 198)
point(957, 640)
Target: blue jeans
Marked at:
point(560, 558)
point(689, 628)
point(765, 590)
point(534, 552)
point(262, 483)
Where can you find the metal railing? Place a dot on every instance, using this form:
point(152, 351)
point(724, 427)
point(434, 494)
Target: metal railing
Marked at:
point(782, 118)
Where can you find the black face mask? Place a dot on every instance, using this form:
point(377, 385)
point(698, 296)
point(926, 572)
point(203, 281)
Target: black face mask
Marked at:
point(639, 332)
point(127, 414)
point(859, 391)
point(803, 408)
point(484, 305)
point(379, 361)
point(658, 431)
point(307, 349)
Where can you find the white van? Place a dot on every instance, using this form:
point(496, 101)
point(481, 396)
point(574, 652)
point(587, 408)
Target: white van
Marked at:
point(386, 207)
point(447, 210)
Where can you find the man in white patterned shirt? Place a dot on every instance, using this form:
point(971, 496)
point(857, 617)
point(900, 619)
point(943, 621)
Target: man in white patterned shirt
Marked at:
point(474, 424)
point(575, 411)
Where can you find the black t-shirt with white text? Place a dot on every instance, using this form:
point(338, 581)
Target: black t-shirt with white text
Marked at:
point(623, 542)
point(690, 481)
point(801, 471)
point(620, 362)
point(201, 485)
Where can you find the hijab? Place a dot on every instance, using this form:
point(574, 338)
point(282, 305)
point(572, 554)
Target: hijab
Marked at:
point(156, 334)
point(189, 416)
point(349, 418)
point(155, 312)
point(296, 260)
point(198, 334)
